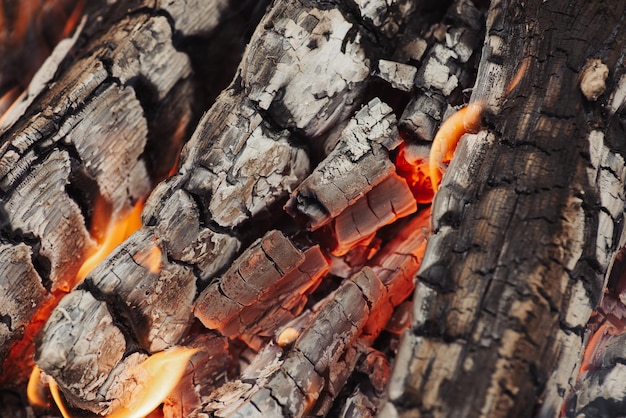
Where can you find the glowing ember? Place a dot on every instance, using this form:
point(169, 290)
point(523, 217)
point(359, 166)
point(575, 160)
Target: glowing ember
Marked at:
point(466, 120)
point(415, 171)
point(156, 377)
point(596, 345)
point(287, 337)
point(150, 258)
point(117, 229)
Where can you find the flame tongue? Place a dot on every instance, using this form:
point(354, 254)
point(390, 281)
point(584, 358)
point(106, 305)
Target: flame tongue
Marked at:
point(156, 377)
point(110, 231)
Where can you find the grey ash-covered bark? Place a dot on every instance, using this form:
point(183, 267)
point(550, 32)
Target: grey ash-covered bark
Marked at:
point(248, 152)
point(526, 222)
point(102, 119)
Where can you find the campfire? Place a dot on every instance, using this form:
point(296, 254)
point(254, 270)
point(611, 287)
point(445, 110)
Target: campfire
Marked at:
point(294, 208)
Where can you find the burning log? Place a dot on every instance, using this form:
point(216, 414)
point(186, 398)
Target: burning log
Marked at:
point(525, 224)
point(303, 378)
point(242, 160)
point(268, 279)
point(103, 123)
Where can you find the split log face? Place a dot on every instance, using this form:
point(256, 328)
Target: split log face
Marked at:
point(525, 225)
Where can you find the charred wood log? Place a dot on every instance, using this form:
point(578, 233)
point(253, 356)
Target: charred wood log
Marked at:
point(99, 122)
point(526, 224)
point(271, 276)
point(246, 155)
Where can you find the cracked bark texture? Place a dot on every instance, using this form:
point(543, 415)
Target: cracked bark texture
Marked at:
point(246, 155)
point(103, 118)
point(526, 223)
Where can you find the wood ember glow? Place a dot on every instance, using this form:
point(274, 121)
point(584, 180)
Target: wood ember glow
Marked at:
point(350, 208)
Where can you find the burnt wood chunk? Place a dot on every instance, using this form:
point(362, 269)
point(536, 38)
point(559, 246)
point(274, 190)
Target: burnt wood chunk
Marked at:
point(207, 369)
point(446, 71)
point(244, 167)
point(184, 236)
point(244, 158)
point(262, 290)
point(83, 347)
point(388, 201)
point(304, 377)
point(520, 250)
point(362, 150)
point(317, 56)
point(21, 293)
point(92, 125)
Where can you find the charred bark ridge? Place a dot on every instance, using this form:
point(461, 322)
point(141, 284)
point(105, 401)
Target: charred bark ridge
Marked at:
point(526, 223)
point(105, 124)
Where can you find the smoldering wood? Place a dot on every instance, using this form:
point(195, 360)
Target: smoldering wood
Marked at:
point(446, 70)
point(388, 201)
point(206, 371)
point(52, 159)
point(271, 274)
point(242, 159)
point(596, 390)
point(519, 252)
point(304, 378)
point(293, 386)
point(367, 396)
point(363, 151)
point(599, 389)
point(21, 293)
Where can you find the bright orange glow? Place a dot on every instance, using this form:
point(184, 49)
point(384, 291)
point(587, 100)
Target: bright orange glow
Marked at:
point(73, 19)
point(592, 346)
point(157, 377)
point(150, 258)
point(56, 395)
point(466, 120)
point(8, 100)
point(34, 390)
point(117, 228)
point(287, 337)
point(417, 176)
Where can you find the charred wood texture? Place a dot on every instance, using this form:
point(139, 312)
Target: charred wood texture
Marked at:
point(102, 122)
point(526, 222)
point(300, 315)
point(246, 155)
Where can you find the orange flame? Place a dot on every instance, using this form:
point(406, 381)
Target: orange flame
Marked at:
point(35, 389)
point(117, 229)
point(108, 233)
point(56, 395)
point(466, 120)
point(159, 374)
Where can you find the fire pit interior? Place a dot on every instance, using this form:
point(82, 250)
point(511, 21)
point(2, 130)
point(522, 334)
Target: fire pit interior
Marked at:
point(312, 208)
